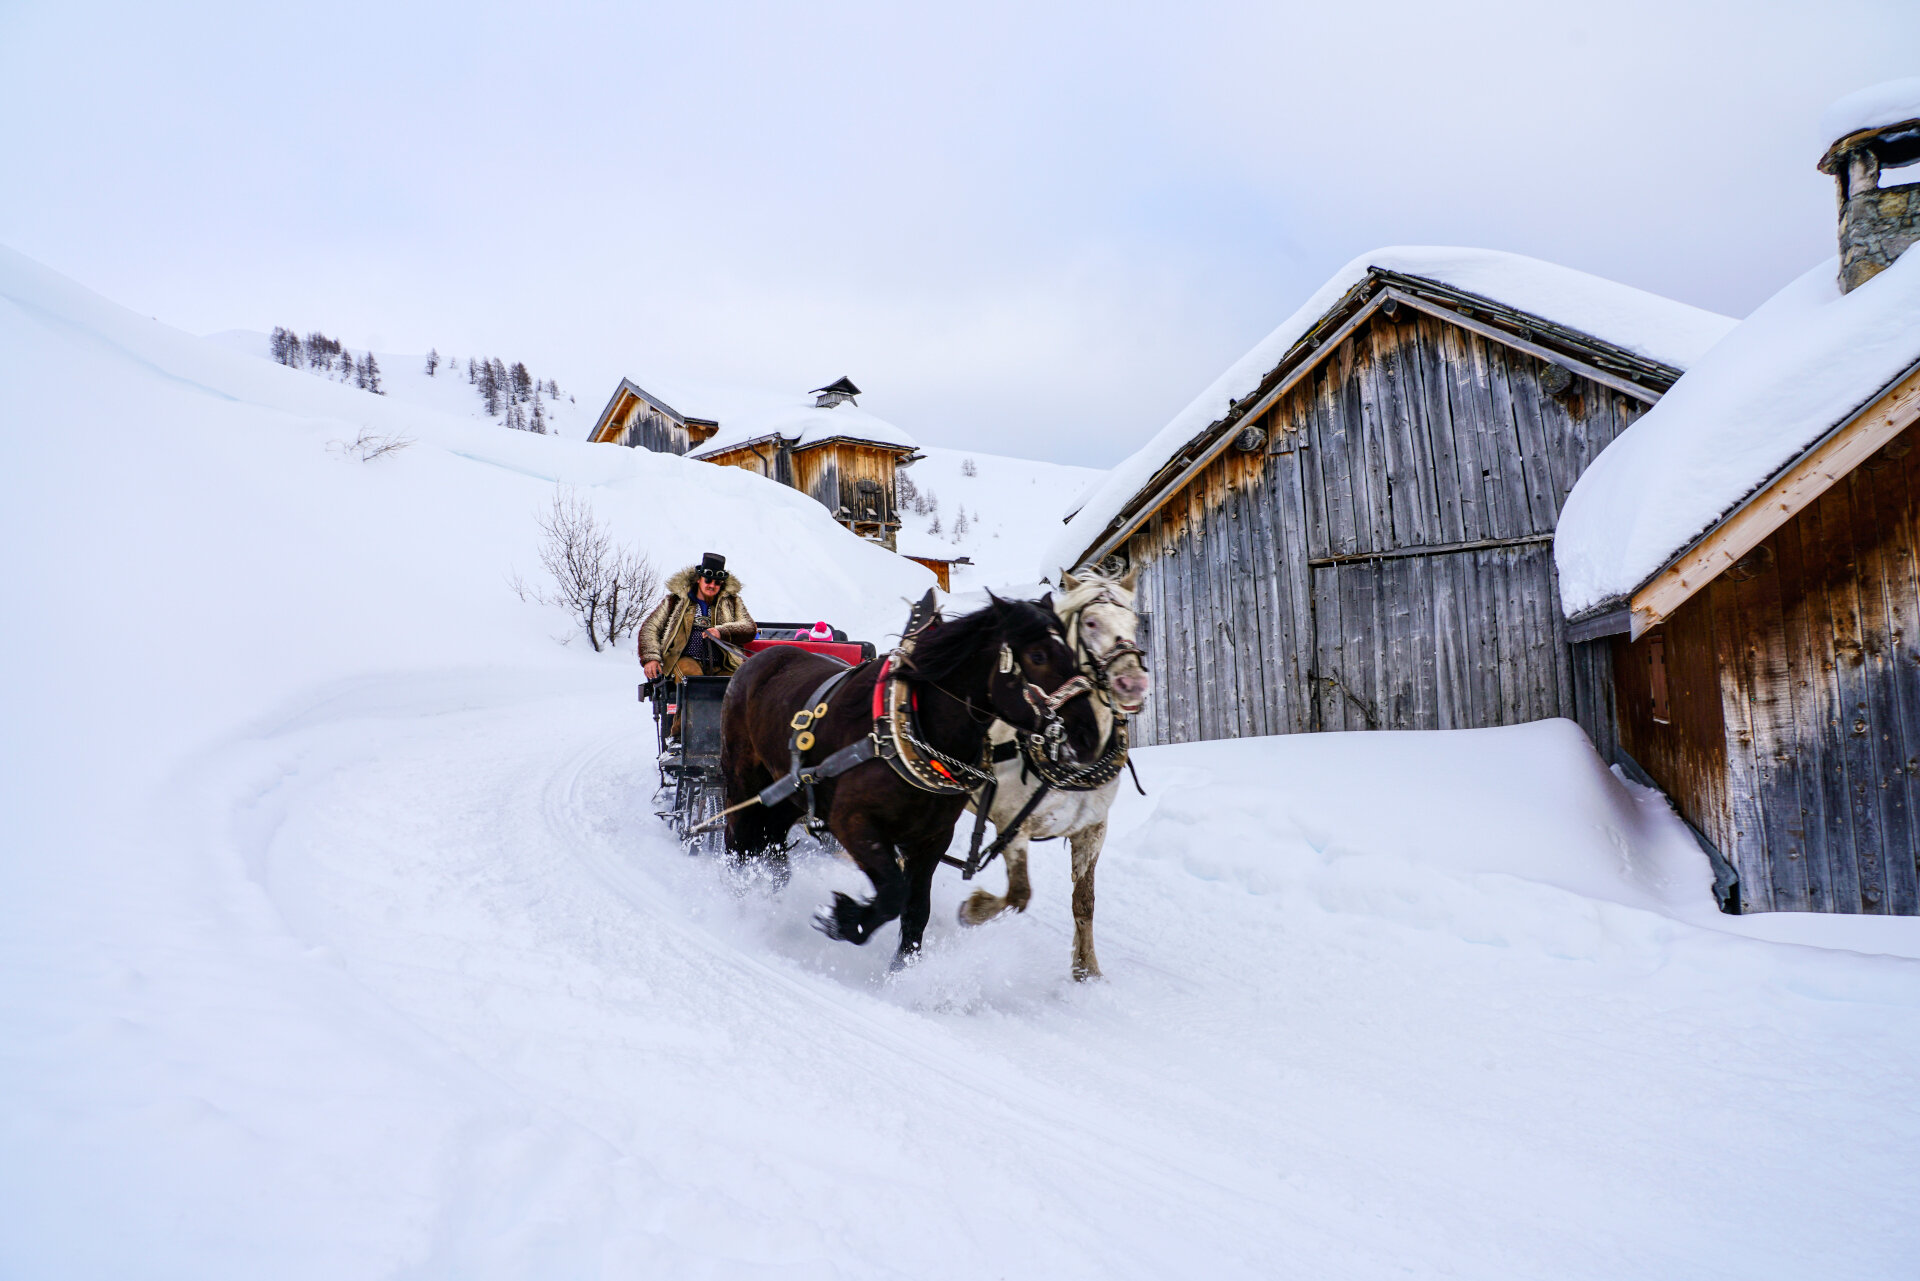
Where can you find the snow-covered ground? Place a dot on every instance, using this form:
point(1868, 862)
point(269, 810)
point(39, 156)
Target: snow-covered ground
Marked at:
point(1013, 507)
point(340, 940)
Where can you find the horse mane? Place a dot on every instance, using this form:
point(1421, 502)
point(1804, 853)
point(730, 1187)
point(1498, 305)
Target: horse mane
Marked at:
point(1088, 584)
point(952, 643)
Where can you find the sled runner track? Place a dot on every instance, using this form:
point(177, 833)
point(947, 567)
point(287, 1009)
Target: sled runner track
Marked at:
point(1041, 1107)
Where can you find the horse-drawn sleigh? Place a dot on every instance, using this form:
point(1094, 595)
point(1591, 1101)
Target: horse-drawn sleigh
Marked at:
point(1018, 710)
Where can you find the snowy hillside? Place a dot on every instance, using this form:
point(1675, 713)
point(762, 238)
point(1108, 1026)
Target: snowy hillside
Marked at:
point(340, 939)
point(996, 510)
point(404, 377)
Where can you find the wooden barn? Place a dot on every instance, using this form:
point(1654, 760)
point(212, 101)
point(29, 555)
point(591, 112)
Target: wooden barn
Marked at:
point(1352, 529)
point(635, 418)
point(841, 455)
point(1754, 544)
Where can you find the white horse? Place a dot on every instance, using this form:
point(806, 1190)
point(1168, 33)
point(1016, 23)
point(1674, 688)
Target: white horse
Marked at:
point(1101, 626)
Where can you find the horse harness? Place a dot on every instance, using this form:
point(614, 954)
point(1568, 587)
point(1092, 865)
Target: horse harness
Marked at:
point(895, 738)
point(1035, 758)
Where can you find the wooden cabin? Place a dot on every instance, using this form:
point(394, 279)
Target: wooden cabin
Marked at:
point(640, 420)
point(1353, 528)
point(840, 455)
point(1767, 660)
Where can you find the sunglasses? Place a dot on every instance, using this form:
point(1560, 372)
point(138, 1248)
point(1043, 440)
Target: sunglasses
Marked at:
point(714, 575)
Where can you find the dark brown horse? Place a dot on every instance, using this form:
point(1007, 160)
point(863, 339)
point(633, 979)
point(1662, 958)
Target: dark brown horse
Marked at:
point(997, 663)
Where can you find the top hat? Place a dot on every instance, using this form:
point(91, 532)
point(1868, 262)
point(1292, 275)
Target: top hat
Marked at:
point(714, 566)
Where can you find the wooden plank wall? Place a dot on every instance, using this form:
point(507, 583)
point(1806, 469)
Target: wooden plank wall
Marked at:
point(648, 428)
point(1687, 754)
point(1810, 647)
point(1389, 565)
point(745, 459)
point(864, 462)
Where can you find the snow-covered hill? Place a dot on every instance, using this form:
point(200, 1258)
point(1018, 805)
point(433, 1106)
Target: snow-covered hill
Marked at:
point(404, 378)
point(339, 938)
point(1012, 507)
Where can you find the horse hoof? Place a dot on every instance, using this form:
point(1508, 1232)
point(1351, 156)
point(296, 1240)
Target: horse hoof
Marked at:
point(979, 908)
point(840, 920)
point(1086, 973)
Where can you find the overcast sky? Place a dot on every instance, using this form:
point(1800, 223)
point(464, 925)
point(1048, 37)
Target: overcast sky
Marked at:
point(1036, 230)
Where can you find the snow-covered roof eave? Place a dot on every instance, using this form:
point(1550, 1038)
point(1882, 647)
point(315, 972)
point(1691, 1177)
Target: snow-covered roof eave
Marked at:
point(794, 442)
point(1654, 338)
point(1803, 369)
point(772, 437)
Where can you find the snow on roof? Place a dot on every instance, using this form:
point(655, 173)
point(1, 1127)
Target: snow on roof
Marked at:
point(1645, 324)
point(1800, 365)
point(1889, 103)
point(798, 417)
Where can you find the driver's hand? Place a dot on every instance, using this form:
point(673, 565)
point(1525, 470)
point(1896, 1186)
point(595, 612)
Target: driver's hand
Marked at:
point(713, 633)
point(652, 668)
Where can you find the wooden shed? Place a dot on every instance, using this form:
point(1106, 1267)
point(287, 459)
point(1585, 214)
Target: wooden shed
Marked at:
point(640, 420)
point(1352, 529)
point(1755, 546)
point(842, 456)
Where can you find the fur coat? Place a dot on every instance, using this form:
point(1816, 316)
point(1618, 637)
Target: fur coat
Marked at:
point(663, 637)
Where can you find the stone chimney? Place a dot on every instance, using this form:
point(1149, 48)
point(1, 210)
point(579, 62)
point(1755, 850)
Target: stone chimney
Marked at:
point(1879, 190)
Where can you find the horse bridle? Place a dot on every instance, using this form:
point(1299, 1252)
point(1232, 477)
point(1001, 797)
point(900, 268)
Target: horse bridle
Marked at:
point(1100, 663)
point(1052, 730)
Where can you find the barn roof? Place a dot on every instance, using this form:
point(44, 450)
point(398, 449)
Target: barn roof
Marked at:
point(1622, 335)
point(801, 422)
point(629, 387)
point(1799, 369)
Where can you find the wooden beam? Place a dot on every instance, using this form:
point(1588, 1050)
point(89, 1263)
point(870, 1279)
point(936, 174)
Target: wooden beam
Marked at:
point(1639, 391)
point(1615, 622)
point(1429, 549)
point(1829, 460)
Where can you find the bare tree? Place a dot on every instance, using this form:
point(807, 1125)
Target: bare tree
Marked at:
point(968, 467)
point(605, 586)
point(370, 445)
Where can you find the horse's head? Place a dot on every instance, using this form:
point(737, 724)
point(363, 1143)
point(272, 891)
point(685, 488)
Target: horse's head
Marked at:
point(1104, 630)
point(1037, 685)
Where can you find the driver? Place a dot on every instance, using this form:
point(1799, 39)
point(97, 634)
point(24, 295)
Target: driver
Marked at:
point(702, 605)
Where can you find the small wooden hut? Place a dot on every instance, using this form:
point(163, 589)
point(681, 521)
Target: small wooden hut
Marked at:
point(1352, 528)
point(636, 418)
point(832, 450)
point(1752, 548)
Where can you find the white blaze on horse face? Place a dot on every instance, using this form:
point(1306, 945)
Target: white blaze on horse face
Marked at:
point(1103, 628)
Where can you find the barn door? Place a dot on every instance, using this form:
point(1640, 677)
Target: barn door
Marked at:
point(1447, 640)
point(1431, 482)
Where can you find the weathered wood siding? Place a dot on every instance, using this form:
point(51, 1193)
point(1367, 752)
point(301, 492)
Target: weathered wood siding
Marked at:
point(1687, 754)
point(1387, 563)
point(758, 460)
point(866, 484)
point(1805, 660)
point(854, 482)
point(648, 428)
